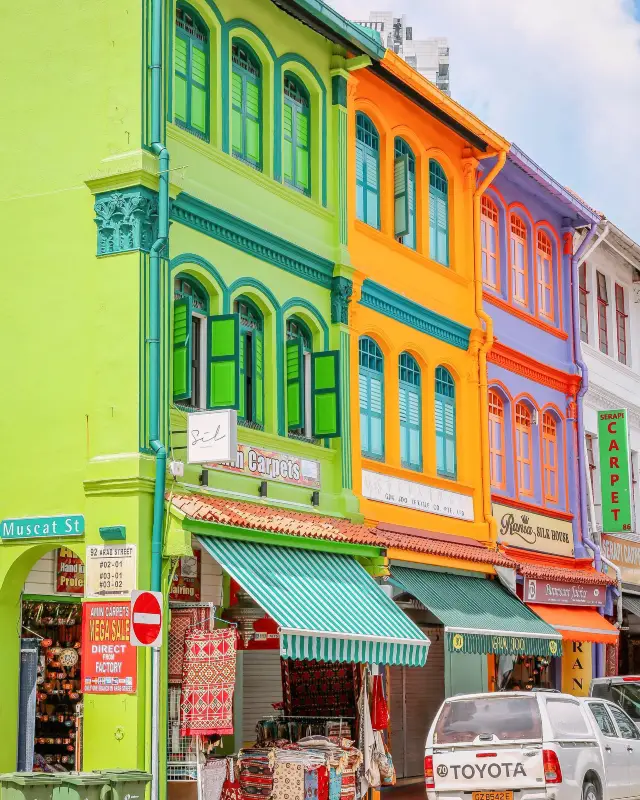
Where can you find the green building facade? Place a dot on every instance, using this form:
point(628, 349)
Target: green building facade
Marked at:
point(244, 306)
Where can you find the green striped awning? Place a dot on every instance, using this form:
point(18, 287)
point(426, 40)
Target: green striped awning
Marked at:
point(479, 616)
point(327, 606)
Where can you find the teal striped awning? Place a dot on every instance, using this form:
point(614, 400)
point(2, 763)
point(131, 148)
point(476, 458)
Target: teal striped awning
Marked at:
point(479, 616)
point(327, 606)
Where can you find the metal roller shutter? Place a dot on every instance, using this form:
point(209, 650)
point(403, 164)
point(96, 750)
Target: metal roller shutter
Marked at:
point(261, 687)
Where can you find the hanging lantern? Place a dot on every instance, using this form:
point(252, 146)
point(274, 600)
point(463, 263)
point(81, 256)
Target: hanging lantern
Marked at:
point(244, 613)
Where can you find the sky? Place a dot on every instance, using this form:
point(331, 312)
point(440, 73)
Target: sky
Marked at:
point(559, 78)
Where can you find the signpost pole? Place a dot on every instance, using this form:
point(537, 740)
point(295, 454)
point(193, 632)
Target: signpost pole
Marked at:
point(155, 723)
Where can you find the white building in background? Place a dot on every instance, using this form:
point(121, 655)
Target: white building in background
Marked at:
point(609, 294)
point(429, 56)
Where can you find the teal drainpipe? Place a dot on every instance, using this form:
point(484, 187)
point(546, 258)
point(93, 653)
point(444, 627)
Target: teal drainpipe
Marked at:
point(160, 245)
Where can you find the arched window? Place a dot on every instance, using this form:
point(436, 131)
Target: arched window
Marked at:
point(438, 214)
point(489, 236)
point(190, 315)
point(524, 450)
point(550, 457)
point(519, 279)
point(544, 268)
point(297, 151)
point(371, 399)
point(246, 121)
point(445, 423)
point(299, 349)
point(404, 192)
point(191, 68)
point(410, 412)
point(251, 363)
point(496, 441)
point(367, 171)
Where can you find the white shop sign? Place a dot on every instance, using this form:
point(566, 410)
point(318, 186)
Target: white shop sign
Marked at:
point(110, 570)
point(212, 436)
point(417, 496)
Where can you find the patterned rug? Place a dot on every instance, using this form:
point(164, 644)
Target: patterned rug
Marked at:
point(181, 620)
point(209, 677)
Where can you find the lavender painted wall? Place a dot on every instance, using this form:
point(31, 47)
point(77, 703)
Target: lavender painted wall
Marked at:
point(515, 191)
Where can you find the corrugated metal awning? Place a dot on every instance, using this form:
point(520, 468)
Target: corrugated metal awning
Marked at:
point(327, 606)
point(631, 604)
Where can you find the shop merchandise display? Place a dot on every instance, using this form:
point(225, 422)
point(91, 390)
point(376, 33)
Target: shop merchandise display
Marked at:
point(57, 627)
point(183, 620)
point(209, 675)
point(320, 688)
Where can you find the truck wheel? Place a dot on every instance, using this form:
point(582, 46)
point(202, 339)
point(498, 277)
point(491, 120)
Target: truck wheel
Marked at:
point(590, 791)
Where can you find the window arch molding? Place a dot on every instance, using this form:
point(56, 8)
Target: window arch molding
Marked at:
point(385, 161)
point(435, 154)
point(520, 228)
point(309, 76)
point(312, 318)
point(545, 227)
point(192, 75)
point(496, 202)
point(240, 30)
point(202, 271)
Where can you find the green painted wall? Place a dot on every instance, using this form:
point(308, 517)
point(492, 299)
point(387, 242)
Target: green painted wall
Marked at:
point(75, 403)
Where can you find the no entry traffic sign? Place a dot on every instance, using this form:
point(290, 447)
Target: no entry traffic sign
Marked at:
point(146, 618)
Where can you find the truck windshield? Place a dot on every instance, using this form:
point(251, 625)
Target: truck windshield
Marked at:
point(626, 695)
point(505, 718)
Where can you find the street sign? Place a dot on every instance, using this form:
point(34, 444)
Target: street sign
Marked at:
point(146, 618)
point(110, 570)
point(212, 436)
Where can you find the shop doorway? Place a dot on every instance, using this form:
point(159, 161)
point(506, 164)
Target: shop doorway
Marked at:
point(50, 696)
point(415, 695)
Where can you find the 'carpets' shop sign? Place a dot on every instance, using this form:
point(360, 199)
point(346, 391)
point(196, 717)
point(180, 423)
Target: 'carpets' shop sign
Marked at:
point(270, 465)
point(563, 594)
point(542, 534)
point(69, 572)
point(613, 444)
point(109, 660)
point(625, 554)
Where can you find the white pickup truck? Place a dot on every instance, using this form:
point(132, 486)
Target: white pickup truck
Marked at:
point(531, 746)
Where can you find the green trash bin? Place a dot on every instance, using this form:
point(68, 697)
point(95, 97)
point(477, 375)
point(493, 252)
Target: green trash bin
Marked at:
point(126, 784)
point(29, 785)
point(82, 786)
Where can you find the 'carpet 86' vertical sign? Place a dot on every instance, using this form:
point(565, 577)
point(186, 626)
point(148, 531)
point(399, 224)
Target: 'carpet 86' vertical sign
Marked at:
point(613, 440)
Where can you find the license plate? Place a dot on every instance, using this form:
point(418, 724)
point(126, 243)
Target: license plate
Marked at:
point(492, 796)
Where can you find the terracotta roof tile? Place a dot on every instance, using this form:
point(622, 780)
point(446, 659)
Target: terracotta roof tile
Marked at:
point(254, 516)
point(546, 573)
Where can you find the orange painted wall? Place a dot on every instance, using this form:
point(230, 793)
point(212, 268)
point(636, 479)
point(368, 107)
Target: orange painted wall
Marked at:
point(447, 290)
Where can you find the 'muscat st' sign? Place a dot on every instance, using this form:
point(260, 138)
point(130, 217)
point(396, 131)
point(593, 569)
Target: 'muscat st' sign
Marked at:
point(613, 441)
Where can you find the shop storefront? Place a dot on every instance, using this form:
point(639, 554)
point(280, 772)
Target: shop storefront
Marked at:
point(624, 551)
point(270, 680)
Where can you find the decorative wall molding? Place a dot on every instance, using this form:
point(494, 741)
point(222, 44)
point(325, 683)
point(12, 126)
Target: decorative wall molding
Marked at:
point(254, 241)
point(127, 219)
point(611, 363)
point(524, 315)
point(528, 367)
point(341, 291)
point(384, 301)
point(600, 399)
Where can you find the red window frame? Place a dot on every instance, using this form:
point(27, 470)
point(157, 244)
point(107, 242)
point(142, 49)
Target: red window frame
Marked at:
point(584, 304)
point(621, 323)
point(544, 272)
point(518, 236)
point(524, 446)
point(489, 231)
point(550, 457)
point(591, 459)
point(497, 453)
point(603, 305)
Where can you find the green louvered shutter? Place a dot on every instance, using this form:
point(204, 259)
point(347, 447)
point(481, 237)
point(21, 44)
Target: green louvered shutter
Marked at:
point(180, 65)
point(295, 384)
point(252, 115)
point(302, 150)
point(224, 358)
point(236, 120)
point(288, 143)
point(446, 436)
point(410, 427)
point(198, 87)
point(325, 394)
point(401, 195)
point(360, 182)
point(242, 375)
point(372, 188)
point(182, 348)
point(258, 377)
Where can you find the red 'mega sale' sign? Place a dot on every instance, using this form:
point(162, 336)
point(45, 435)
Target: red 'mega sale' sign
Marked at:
point(109, 660)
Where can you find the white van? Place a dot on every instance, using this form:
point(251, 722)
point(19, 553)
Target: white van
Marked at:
point(531, 746)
